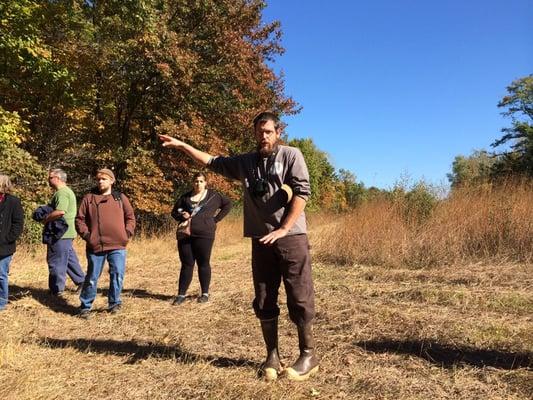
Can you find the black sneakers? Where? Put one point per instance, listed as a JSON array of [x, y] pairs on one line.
[[180, 299], [115, 309], [204, 298], [84, 313]]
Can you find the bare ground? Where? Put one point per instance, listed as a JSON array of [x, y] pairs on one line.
[[442, 333]]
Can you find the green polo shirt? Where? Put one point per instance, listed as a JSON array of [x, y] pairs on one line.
[[65, 200]]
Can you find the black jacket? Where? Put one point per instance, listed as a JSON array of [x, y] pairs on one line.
[[11, 224], [203, 224], [53, 230]]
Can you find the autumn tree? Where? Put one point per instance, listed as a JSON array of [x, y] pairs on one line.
[[97, 80]]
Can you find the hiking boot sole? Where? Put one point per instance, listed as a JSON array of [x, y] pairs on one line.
[[270, 374], [292, 375]]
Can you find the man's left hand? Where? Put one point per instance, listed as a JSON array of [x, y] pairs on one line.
[[273, 236]]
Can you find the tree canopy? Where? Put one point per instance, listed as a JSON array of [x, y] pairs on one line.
[[473, 169], [518, 105]]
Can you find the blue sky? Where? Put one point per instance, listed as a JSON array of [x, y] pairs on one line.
[[392, 88]]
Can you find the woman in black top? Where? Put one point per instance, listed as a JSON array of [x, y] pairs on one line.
[[201, 209], [11, 223]]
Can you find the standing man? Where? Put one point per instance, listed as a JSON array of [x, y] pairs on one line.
[[106, 222], [276, 187], [60, 255], [11, 224]]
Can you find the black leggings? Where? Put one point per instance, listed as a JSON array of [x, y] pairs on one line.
[[190, 250]]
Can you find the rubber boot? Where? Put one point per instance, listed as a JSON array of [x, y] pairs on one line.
[[307, 364], [272, 365]]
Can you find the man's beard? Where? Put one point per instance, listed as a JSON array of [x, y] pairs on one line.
[[267, 151]]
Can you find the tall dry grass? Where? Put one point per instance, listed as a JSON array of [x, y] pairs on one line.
[[487, 224]]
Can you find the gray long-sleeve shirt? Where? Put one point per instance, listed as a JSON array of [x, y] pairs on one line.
[[265, 214]]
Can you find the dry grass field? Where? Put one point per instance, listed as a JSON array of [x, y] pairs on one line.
[[493, 224], [450, 331]]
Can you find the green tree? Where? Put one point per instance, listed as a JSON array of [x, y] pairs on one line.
[[353, 191], [27, 174], [33, 81], [518, 105], [471, 170], [321, 173]]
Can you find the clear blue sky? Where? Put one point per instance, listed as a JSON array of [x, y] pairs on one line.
[[392, 87]]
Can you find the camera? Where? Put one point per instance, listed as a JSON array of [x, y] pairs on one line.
[[260, 187]]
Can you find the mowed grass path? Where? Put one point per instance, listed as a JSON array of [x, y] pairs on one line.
[[441, 333]]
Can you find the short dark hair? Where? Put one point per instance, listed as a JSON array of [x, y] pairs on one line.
[[198, 175], [266, 116]]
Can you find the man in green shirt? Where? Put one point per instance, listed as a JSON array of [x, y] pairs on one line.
[[60, 255]]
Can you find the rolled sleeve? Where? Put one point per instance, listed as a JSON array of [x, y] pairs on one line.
[[298, 176]]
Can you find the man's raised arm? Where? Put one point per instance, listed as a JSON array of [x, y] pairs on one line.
[[197, 155]]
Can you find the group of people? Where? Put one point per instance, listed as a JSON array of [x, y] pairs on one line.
[[275, 183], [105, 221]]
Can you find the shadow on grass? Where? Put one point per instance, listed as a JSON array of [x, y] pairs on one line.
[[451, 356], [142, 294], [57, 304], [140, 351]]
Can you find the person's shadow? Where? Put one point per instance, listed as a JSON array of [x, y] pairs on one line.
[[55, 303], [448, 356], [139, 351], [60, 304], [142, 294]]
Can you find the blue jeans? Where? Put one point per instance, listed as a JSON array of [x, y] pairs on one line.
[[4, 271], [117, 267], [62, 260]]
